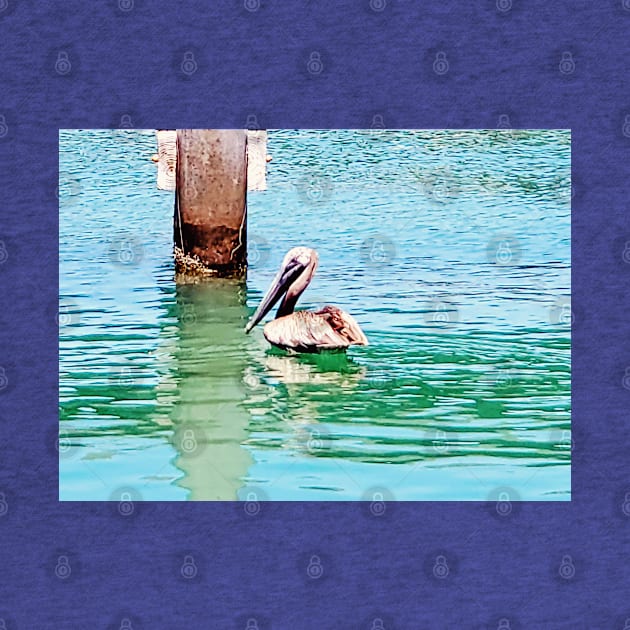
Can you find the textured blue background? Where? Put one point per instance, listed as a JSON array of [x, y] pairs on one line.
[[255, 62]]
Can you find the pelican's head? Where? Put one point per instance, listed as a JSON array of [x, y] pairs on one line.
[[301, 255], [296, 271]]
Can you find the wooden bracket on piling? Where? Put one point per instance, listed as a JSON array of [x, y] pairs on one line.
[[166, 158], [257, 159]]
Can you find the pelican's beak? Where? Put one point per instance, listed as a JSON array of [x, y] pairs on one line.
[[281, 283]]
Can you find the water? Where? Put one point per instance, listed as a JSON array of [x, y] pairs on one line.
[[451, 249]]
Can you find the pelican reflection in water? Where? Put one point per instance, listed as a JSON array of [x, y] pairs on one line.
[[330, 328]]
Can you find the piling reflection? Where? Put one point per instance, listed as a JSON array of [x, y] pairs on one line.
[[208, 418]]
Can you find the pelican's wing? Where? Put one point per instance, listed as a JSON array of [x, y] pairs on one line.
[[305, 331], [344, 325]]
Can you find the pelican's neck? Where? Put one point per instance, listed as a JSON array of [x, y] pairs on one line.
[[296, 289], [287, 306]]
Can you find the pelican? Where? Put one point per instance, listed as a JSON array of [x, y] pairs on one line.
[[330, 328]]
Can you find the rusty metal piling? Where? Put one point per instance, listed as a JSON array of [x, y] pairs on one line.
[[210, 219]]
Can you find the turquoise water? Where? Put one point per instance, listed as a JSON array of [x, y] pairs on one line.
[[451, 249]]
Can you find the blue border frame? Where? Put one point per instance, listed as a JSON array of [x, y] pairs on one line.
[[543, 565]]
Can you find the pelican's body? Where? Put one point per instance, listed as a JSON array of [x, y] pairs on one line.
[[330, 328], [307, 331]]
